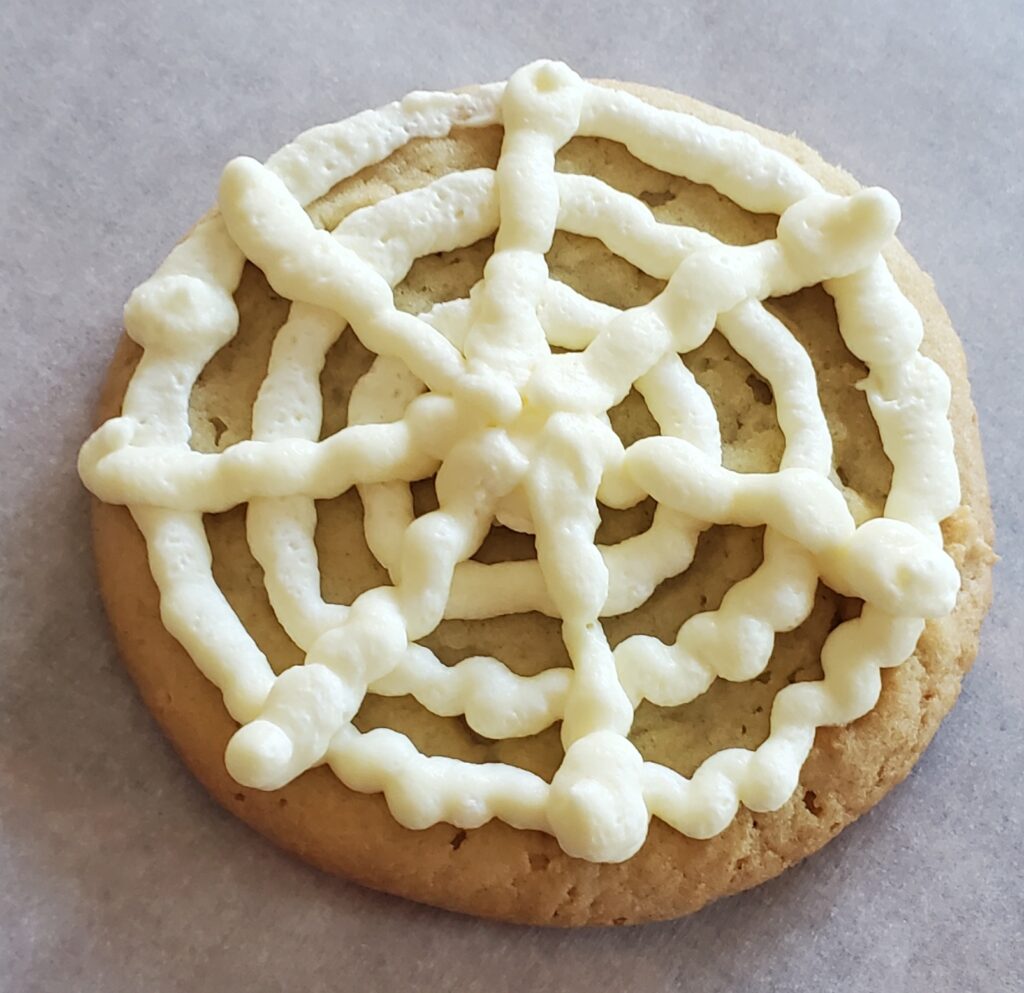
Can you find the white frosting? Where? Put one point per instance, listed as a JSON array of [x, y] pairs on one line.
[[471, 391]]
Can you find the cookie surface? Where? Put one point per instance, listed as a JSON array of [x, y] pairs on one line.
[[524, 875]]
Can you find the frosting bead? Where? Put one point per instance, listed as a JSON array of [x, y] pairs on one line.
[[597, 809], [893, 565], [260, 755], [180, 311]]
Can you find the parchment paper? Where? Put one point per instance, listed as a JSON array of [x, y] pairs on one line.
[[116, 871]]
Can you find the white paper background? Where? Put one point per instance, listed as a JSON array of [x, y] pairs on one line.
[[116, 872]]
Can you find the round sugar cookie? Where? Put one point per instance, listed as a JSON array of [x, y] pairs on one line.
[[732, 830]]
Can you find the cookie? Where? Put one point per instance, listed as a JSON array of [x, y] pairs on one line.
[[678, 447]]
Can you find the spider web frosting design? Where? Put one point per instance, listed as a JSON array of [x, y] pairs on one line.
[[519, 434]]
